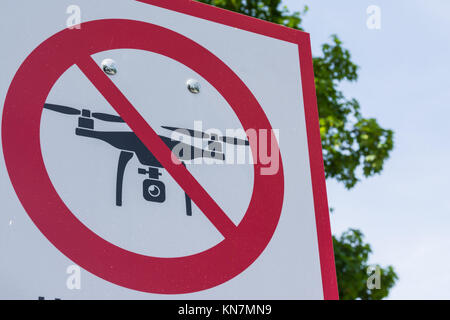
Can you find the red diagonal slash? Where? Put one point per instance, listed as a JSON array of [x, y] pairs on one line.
[[158, 148]]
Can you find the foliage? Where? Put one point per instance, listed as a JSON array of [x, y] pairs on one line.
[[349, 141], [269, 10], [352, 145], [352, 254]]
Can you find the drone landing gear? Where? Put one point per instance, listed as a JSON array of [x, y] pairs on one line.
[[188, 205], [153, 190], [124, 158], [188, 202]]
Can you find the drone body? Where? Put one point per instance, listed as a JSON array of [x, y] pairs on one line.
[[129, 145]]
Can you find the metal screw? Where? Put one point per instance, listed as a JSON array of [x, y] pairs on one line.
[[109, 67], [193, 86]]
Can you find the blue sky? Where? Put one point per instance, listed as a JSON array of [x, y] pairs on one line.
[[404, 83]]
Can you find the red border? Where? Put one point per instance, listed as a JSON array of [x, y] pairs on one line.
[[302, 39]]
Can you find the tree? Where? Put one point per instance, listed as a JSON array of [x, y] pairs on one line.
[[353, 146], [351, 255]]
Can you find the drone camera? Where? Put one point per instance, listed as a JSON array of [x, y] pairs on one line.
[[154, 190]]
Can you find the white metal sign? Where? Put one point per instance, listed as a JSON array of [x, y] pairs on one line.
[[156, 150]]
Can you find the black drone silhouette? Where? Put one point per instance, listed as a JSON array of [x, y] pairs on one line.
[[129, 145]]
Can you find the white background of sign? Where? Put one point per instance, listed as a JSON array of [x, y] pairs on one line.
[[30, 266]]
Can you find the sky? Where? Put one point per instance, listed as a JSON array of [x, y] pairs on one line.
[[404, 84]]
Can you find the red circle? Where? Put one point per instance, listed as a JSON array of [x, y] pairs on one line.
[[21, 146]]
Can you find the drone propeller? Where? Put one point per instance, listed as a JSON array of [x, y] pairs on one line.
[[200, 134], [192, 133], [106, 117], [62, 109], [236, 141], [73, 111]]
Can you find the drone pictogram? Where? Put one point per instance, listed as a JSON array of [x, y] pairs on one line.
[[129, 145]]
